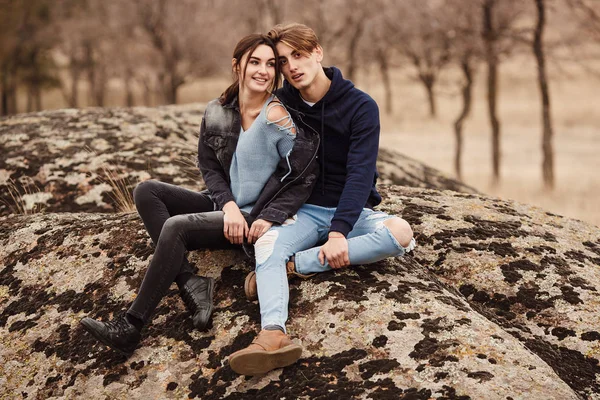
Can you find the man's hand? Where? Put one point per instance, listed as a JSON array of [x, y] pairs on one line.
[[258, 228], [235, 226], [335, 251]]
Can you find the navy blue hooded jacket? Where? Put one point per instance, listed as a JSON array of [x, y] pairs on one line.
[[348, 121]]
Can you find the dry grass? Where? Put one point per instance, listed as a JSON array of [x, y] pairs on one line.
[[22, 197], [411, 131], [122, 188], [121, 192]]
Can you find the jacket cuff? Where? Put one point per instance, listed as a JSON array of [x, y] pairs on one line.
[[223, 199], [340, 226], [271, 215]]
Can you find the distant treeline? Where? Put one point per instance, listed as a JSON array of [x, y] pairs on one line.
[[159, 45]]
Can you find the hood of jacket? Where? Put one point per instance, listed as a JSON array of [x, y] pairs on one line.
[[338, 89]]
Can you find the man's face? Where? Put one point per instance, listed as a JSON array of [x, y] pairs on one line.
[[299, 70]]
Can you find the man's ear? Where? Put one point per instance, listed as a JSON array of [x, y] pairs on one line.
[[319, 53]]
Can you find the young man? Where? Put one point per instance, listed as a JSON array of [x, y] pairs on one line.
[[339, 211]]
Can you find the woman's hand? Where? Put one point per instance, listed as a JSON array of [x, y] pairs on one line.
[[235, 226], [258, 228]]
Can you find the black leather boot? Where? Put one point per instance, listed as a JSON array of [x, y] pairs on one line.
[[197, 294], [118, 334]]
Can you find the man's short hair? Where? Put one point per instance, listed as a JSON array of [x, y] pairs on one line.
[[298, 36]]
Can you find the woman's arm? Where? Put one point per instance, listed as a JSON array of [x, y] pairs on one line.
[[212, 171], [235, 227]]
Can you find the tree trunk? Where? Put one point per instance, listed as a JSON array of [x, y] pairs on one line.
[[100, 86], [489, 36], [428, 81], [29, 98], [547, 133], [467, 95], [12, 94], [74, 98], [148, 90], [3, 99], [172, 80], [173, 93], [71, 96], [385, 77], [352, 46], [91, 72], [3, 91], [129, 98], [37, 98]]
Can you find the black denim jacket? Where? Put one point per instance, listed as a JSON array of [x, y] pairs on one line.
[[280, 198]]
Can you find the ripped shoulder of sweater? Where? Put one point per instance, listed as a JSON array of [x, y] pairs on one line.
[[279, 116]]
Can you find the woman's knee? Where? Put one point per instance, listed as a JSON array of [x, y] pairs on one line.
[[174, 228], [400, 229], [145, 190]]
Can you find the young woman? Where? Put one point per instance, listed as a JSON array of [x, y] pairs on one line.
[[253, 180]]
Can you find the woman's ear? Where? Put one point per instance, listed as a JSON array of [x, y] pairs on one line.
[[235, 67]]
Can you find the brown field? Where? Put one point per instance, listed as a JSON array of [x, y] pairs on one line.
[[575, 100], [410, 130]]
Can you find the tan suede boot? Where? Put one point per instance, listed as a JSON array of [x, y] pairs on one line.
[[268, 351], [250, 282]]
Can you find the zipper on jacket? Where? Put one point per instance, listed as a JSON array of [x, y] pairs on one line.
[[307, 165]]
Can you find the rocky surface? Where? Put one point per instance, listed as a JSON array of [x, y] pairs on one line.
[[84, 160], [498, 301], [390, 330]]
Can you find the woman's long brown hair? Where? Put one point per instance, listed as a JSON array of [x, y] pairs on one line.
[[247, 45]]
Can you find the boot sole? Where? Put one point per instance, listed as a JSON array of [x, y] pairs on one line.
[[91, 329], [258, 362], [249, 277]]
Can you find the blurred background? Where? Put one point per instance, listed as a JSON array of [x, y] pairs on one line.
[[502, 94]]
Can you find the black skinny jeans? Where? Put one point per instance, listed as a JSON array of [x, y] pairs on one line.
[[177, 220]]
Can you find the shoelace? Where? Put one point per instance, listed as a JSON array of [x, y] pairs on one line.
[[190, 300], [120, 325]]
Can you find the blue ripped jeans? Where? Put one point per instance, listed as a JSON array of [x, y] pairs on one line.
[[369, 241]]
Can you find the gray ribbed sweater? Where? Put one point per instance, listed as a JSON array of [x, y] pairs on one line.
[[258, 151]]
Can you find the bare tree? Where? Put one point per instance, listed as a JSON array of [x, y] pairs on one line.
[[422, 37], [547, 132], [466, 53], [24, 53], [490, 38], [499, 35], [184, 47]]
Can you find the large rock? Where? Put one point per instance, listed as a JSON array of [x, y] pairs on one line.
[[463, 318], [498, 301], [89, 160], [534, 273], [388, 329]]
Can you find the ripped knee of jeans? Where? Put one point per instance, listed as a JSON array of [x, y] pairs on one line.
[[263, 249], [401, 231]]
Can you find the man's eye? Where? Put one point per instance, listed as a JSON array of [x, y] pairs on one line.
[[282, 62]]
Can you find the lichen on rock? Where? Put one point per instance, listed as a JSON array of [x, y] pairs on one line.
[[499, 300]]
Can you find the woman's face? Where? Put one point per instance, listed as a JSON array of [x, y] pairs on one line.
[[260, 70]]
